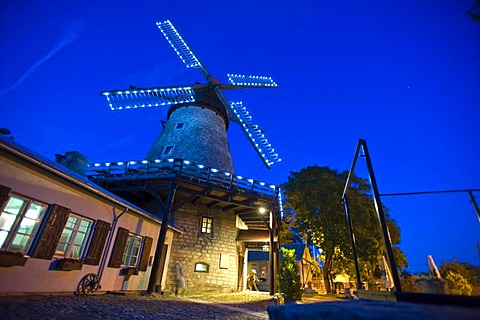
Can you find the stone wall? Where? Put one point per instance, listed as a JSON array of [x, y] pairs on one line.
[[218, 250], [196, 134]]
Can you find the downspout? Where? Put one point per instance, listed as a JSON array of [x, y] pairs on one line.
[[103, 261]]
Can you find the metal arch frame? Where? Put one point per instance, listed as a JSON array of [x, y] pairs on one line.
[[362, 145]]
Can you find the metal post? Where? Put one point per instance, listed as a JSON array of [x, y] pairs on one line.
[[272, 256], [274, 251], [474, 203], [352, 240], [381, 217], [157, 269]]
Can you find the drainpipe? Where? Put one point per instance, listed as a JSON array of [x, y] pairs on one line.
[[103, 261]]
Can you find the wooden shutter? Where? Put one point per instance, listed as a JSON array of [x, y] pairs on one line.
[[48, 241], [4, 191], [118, 248], [95, 249], [147, 247]]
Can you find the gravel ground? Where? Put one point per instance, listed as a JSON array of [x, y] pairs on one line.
[[130, 306]]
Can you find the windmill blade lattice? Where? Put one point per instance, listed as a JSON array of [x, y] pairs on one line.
[[180, 46], [254, 134], [152, 97], [251, 81]]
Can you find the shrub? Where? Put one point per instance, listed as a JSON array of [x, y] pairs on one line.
[[288, 277]]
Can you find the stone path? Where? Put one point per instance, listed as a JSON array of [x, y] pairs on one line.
[[130, 306]]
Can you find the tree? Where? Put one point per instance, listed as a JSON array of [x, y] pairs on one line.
[[6, 132], [474, 11], [313, 199]]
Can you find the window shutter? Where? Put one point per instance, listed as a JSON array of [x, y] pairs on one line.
[[47, 243], [147, 247], [4, 191], [97, 243], [119, 248]]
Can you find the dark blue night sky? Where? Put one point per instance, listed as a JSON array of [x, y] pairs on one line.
[[404, 75]]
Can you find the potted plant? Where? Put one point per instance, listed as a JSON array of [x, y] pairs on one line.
[[12, 258], [289, 284], [69, 264]]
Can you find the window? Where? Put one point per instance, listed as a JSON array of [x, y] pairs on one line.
[[179, 126], [132, 250], [74, 237], [167, 151], [207, 225], [19, 222], [201, 267]]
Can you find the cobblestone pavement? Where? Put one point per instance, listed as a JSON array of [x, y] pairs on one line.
[[130, 306]]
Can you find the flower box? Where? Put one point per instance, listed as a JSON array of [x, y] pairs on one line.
[[129, 271], [67, 264], [10, 259]]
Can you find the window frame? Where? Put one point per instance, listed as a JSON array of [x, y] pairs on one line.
[[168, 148], [180, 126], [127, 256], [202, 267], [15, 227], [206, 230], [70, 244]]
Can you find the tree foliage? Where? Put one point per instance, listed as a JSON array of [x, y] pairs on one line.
[[469, 272], [314, 211], [457, 284], [6, 132], [474, 11]]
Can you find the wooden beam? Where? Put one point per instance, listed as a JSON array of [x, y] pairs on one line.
[[212, 204], [229, 207]]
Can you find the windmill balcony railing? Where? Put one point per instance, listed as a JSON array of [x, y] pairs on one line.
[[146, 169]]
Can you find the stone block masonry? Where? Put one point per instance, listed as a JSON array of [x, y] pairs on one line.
[[217, 250]]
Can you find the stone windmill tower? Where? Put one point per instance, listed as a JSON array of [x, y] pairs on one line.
[[199, 114]]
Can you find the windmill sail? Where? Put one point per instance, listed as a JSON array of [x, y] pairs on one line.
[[152, 97], [254, 134]]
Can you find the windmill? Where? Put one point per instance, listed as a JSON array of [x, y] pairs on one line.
[[199, 114]]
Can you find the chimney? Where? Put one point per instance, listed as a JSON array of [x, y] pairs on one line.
[[74, 161]]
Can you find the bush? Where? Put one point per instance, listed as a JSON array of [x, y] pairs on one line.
[[288, 277], [457, 284]]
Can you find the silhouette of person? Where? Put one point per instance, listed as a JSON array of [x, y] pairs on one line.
[[252, 280]]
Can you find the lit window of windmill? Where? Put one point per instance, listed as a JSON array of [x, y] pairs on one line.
[[207, 225]]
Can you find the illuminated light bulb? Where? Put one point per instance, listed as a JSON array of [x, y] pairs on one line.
[[250, 180], [144, 161], [132, 162], [158, 161], [201, 166], [214, 170], [97, 164], [239, 177], [170, 160], [186, 162], [120, 163], [262, 183]]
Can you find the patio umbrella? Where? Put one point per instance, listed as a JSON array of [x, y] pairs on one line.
[[387, 275], [432, 268]]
